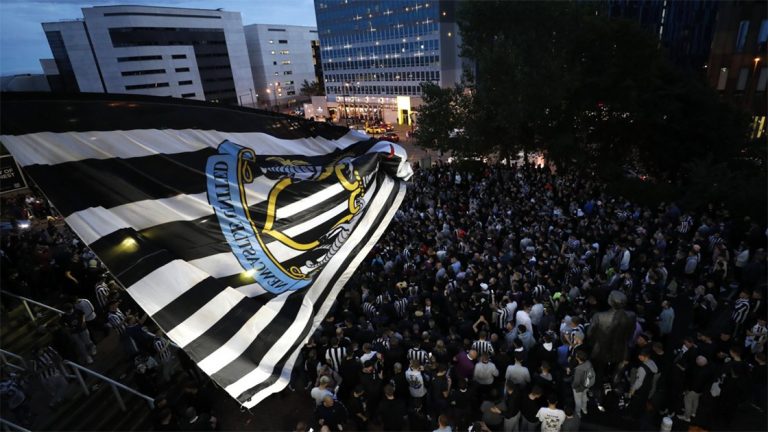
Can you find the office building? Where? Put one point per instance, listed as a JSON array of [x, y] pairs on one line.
[[282, 58], [737, 65], [684, 28], [188, 53], [375, 54]]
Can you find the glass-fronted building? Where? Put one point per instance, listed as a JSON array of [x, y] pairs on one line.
[[376, 54]]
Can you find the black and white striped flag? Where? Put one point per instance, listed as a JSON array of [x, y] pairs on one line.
[[233, 229]]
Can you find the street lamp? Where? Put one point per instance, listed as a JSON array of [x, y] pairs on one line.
[[346, 102], [275, 107]]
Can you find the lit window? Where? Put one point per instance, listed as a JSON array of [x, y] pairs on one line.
[[762, 36], [723, 79], [741, 37], [271, 41]]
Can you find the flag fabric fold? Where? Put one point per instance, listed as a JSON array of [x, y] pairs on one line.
[[233, 229]]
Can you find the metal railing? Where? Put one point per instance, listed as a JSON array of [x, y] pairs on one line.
[[77, 373], [77, 369], [9, 425], [26, 301], [4, 358]]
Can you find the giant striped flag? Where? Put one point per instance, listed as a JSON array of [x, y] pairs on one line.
[[233, 229]]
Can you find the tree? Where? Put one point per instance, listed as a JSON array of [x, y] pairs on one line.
[[520, 51], [443, 118], [588, 90], [313, 88]]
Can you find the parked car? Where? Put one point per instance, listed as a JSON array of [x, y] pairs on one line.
[[391, 137], [373, 130]]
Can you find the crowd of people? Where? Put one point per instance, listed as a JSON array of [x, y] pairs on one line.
[[500, 298], [516, 298]]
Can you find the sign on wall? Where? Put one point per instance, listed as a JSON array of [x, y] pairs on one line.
[[11, 178]]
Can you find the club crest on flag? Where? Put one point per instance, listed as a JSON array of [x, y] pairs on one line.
[[283, 218]]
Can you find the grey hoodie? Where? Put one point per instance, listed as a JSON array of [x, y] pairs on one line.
[[580, 375], [640, 375]]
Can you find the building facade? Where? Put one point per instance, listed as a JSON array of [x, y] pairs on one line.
[[737, 65], [376, 54], [188, 53], [281, 60], [684, 28]]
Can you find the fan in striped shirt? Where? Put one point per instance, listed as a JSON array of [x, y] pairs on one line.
[[502, 315], [164, 356], [483, 346], [47, 364], [335, 354], [103, 295], [685, 224], [416, 353], [740, 310], [382, 343], [714, 241], [401, 307], [118, 321], [369, 309]]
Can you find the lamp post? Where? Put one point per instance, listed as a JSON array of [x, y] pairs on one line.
[[274, 91], [278, 92], [346, 102]]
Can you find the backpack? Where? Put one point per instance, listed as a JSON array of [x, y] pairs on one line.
[[589, 379]]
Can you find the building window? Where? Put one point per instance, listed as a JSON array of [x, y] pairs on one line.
[[762, 36], [153, 14], [762, 78], [285, 62], [272, 52], [285, 52], [182, 69], [187, 95], [290, 92], [287, 73], [187, 82], [282, 41], [146, 86], [723, 79], [741, 83], [271, 41], [179, 56], [741, 37], [143, 72], [275, 30], [138, 58]]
